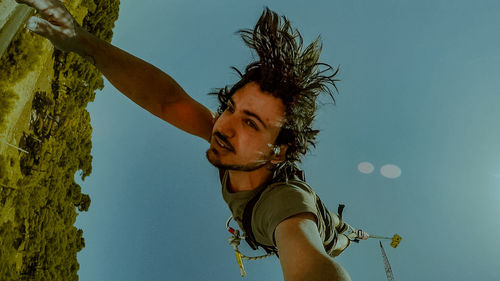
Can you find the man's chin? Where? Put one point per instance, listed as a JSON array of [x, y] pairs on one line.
[[211, 157]]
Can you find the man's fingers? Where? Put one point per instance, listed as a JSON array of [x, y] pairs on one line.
[[41, 27], [48, 9], [40, 5]]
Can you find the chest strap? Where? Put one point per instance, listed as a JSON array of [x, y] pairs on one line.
[[247, 225], [247, 220]]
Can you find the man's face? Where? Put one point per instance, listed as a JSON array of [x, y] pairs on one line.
[[244, 135]]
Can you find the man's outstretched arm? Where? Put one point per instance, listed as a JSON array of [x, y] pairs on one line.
[[143, 83], [301, 252]]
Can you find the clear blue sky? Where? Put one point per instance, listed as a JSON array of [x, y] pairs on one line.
[[419, 90]]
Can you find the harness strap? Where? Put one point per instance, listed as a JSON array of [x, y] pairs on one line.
[[247, 220], [340, 210], [342, 227], [247, 225]]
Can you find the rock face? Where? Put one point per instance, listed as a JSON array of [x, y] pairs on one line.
[[12, 16], [22, 85], [39, 198], [6, 8]]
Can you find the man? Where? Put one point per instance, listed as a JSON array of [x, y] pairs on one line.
[[260, 131]]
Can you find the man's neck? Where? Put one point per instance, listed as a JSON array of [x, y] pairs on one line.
[[243, 181]]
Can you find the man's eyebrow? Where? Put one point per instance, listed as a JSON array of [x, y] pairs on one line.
[[255, 116], [249, 113]]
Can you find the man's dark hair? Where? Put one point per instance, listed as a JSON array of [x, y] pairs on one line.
[[288, 72]]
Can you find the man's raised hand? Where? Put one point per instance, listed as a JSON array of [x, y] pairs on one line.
[[55, 24]]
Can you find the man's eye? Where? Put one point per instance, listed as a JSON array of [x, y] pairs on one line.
[[251, 124]]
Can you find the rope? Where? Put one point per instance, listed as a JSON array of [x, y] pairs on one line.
[[234, 241]]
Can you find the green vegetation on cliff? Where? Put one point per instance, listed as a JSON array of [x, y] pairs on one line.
[[39, 198]]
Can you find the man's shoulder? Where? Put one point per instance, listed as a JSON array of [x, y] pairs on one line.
[[278, 202], [287, 194], [291, 186]]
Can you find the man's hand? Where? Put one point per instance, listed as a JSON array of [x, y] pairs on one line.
[[55, 24], [143, 83]]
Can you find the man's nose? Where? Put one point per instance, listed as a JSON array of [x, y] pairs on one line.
[[227, 126]]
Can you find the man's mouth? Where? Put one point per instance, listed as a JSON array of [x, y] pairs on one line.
[[223, 143]]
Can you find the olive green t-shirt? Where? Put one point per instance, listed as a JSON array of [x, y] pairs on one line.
[[278, 202]]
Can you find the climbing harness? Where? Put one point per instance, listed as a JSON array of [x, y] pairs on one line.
[[342, 228], [353, 234]]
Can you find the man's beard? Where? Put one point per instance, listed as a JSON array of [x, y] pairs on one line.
[[234, 167]]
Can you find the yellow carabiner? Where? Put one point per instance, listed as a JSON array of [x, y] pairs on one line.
[[240, 263], [395, 240]]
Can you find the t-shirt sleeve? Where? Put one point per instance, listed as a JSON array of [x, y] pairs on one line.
[[277, 204]]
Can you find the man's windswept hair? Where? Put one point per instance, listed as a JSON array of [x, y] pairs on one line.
[[287, 71]]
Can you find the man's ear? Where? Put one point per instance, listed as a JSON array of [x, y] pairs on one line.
[[279, 153]]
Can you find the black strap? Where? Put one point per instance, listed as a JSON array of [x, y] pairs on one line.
[[247, 220], [342, 227], [247, 225], [340, 210]]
